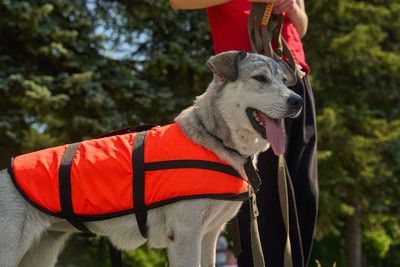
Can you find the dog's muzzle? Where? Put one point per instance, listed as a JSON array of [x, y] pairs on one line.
[[295, 103]]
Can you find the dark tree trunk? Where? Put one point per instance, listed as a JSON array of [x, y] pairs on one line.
[[353, 235]]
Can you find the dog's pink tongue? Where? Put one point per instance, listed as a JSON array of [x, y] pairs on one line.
[[274, 132]]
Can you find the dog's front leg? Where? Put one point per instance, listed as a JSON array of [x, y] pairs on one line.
[[208, 248], [185, 248], [222, 211], [185, 229]]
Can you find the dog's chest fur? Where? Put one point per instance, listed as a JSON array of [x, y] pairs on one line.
[[101, 174]]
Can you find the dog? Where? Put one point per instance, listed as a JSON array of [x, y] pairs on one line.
[[238, 117]]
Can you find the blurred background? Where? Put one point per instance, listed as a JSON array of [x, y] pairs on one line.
[[72, 70]]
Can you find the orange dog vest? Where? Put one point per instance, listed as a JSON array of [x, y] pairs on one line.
[[111, 176]]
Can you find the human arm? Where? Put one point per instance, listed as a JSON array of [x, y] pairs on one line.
[[295, 11], [195, 4]]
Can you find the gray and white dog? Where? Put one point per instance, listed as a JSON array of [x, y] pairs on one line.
[[238, 116]]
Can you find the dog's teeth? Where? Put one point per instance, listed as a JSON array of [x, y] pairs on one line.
[[256, 117], [254, 113]]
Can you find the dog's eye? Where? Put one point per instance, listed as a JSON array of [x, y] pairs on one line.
[[260, 78], [284, 80]]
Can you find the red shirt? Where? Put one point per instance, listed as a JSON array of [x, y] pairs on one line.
[[228, 23]]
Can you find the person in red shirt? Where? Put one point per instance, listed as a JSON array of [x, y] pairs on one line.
[[228, 23]]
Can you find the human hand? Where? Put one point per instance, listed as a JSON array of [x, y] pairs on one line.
[[280, 6]]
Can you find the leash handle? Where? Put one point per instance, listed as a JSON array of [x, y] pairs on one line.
[[262, 27]]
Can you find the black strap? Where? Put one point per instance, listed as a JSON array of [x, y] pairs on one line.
[[255, 182], [138, 182], [234, 225], [115, 255], [252, 175], [64, 176], [191, 164]]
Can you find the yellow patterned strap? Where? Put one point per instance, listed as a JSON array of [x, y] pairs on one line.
[[267, 14]]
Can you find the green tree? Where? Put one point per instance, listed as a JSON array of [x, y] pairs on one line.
[[353, 50], [55, 80]]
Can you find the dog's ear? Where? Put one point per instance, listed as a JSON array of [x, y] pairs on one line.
[[291, 78], [226, 64]]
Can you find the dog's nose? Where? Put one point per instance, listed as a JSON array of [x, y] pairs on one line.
[[295, 101]]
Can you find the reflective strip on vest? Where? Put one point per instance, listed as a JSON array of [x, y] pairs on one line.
[[101, 174]]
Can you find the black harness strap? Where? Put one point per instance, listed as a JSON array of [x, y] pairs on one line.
[[138, 185], [64, 179], [255, 182], [115, 255], [64, 176], [138, 182], [234, 225], [191, 164], [252, 174]]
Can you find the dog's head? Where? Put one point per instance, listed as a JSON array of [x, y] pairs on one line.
[[255, 98]]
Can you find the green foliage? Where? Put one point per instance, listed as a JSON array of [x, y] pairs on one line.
[[353, 50], [145, 257], [94, 252], [53, 75], [171, 49], [325, 255], [376, 244], [83, 251]]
